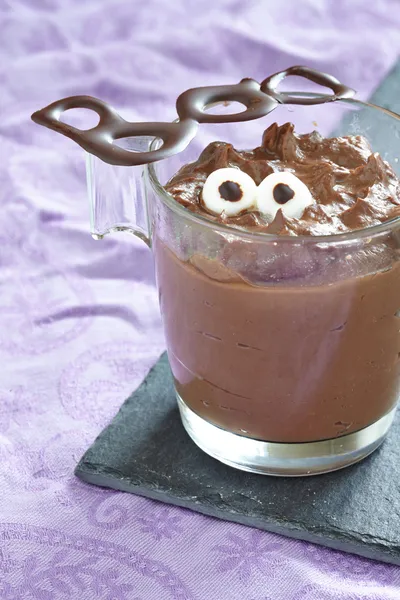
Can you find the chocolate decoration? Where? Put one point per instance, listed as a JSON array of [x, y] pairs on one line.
[[282, 193], [100, 139], [191, 106], [193, 103], [270, 84], [230, 190]]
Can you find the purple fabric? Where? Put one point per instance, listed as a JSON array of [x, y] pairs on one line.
[[79, 320]]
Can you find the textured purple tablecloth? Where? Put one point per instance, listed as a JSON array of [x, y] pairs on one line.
[[79, 322]]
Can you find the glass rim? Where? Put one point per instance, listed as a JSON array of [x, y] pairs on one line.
[[226, 229]]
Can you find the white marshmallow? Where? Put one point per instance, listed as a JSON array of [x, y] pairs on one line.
[[213, 195], [293, 207]]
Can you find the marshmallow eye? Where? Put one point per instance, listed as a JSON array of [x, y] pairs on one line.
[[283, 190], [230, 191]]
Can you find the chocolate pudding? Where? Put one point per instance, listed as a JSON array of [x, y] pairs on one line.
[[281, 336]]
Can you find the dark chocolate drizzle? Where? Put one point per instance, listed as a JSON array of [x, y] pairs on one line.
[[191, 106], [270, 86]]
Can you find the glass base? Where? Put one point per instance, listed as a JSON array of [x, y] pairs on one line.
[[280, 459]]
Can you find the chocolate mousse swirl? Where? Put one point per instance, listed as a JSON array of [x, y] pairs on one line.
[[352, 187]]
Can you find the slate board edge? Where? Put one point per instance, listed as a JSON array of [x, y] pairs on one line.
[[380, 551]]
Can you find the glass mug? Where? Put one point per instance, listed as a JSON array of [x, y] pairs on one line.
[[285, 351]]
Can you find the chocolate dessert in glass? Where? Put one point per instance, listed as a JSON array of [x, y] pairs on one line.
[[277, 267]]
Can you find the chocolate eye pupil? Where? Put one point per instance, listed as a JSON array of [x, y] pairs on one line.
[[282, 193], [230, 190]]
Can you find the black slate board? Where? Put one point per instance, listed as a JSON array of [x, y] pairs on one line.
[[146, 451]]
